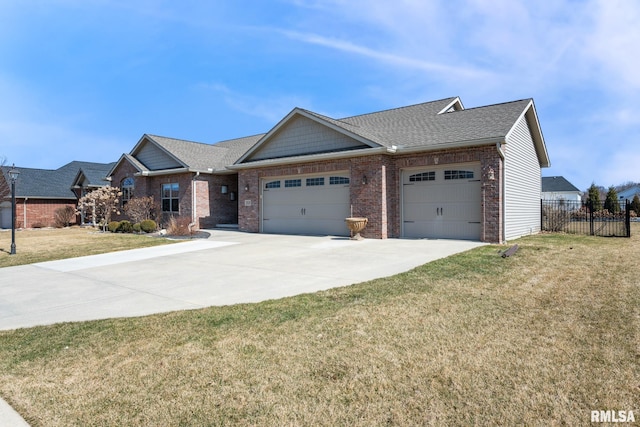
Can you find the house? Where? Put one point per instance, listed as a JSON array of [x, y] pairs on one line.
[[629, 193], [39, 192], [431, 170], [558, 188]]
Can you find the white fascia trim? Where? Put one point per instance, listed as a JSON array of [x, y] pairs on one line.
[[163, 172], [536, 133], [311, 158], [451, 104], [450, 145], [287, 118]]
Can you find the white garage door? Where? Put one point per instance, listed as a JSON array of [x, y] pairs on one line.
[[442, 202], [5, 215], [314, 204]]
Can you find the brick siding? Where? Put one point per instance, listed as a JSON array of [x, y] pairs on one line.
[[211, 206], [40, 212], [379, 198]]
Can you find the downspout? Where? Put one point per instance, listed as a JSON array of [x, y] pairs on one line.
[[194, 202], [502, 190], [24, 212]]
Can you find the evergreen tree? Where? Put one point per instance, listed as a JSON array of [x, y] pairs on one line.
[[635, 204], [611, 203], [594, 197]]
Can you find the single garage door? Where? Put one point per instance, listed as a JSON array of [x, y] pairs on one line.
[[5, 215], [313, 204], [442, 202]]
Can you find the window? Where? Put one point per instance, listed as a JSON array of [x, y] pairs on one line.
[[337, 180], [288, 183], [170, 201], [272, 184], [313, 182], [423, 176], [126, 186], [456, 174]]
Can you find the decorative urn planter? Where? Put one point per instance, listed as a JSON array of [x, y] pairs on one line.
[[356, 225]]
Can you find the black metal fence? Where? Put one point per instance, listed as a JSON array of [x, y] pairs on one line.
[[581, 218]]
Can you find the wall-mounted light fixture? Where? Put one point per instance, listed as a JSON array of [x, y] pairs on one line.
[[364, 179], [224, 189], [435, 160], [491, 174], [246, 187]]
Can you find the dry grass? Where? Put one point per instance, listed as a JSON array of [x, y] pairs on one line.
[[49, 244], [541, 338]]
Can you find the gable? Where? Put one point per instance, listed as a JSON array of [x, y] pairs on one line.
[[155, 158], [303, 136]]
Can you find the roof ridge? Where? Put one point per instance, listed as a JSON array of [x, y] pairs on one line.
[[490, 105], [179, 140], [399, 108]]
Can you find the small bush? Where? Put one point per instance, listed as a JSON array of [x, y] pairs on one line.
[[62, 216], [148, 226], [136, 227], [125, 227], [179, 226], [113, 226]]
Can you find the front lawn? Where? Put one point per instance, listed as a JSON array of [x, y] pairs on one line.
[[40, 245], [540, 338]]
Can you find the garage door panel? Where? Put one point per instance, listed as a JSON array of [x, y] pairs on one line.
[[308, 209], [442, 202]]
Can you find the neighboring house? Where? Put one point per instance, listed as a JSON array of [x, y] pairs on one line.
[[39, 192], [432, 170], [558, 188], [629, 193]]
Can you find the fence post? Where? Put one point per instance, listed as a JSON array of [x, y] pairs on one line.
[[627, 219], [590, 205], [541, 216]]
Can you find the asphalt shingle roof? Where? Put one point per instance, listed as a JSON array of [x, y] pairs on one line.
[[55, 184], [556, 184], [200, 156], [421, 125]]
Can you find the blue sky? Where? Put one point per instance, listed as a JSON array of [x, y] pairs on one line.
[[85, 79]]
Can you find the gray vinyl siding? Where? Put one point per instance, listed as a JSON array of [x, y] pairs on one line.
[[154, 158], [304, 136], [522, 183]]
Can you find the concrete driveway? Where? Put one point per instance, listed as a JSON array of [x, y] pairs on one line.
[[229, 267]]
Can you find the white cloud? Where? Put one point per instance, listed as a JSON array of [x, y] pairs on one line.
[[270, 108]]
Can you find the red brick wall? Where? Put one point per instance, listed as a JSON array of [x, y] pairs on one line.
[[211, 206], [489, 158], [39, 212], [379, 199]]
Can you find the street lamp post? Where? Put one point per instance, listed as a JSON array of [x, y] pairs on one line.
[[13, 175]]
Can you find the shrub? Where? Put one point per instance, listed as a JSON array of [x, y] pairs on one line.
[[125, 227], [140, 208], [179, 226], [113, 226], [136, 227], [148, 226], [62, 216]]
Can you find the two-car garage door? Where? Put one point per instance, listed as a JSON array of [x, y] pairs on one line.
[[313, 204], [442, 202]]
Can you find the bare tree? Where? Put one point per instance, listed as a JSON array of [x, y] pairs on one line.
[[5, 188], [140, 208]]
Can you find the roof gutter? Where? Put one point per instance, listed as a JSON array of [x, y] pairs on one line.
[[449, 146], [175, 171], [314, 158]]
